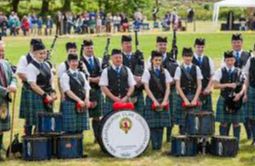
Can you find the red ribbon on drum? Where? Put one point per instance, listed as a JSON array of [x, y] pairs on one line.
[[118, 106]]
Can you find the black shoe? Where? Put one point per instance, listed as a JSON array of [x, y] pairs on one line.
[[85, 155], [253, 143]]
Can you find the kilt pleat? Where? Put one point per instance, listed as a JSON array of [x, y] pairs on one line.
[[156, 119], [72, 120], [223, 117], [97, 111], [24, 102], [206, 103], [250, 111], [139, 106]]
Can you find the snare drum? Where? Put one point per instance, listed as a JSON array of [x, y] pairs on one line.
[[200, 123], [69, 146], [49, 123], [224, 146], [184, 146], [36, 148], [124, 134]]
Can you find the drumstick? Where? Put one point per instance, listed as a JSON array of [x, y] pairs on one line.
[[12, 122]]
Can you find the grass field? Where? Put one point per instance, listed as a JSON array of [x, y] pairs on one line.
[[216, 44]]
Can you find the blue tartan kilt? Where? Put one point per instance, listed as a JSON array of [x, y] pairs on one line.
[[107, 106], [156, 119], [223, 117], [5, 123], [206, 103], [250, 111], [139, 105], [35, 105], [180, 113], [97, 111], [72, 120], [24, 102], [173, 104]]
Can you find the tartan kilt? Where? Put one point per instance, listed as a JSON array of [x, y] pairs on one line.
[[180, 113], [251, 103], [5, 123], [72, 120], [139, 105], [107, 106], [223, 117], [35, 105], [24, 102], [173, 103], [156, 119], [206, 103], [97, 111]]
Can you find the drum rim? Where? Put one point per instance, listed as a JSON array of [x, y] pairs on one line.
[[104, 121], [50, 113], [35, 137], [224, 137], [70, 136]]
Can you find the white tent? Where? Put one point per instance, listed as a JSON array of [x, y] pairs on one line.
[[231, 3]]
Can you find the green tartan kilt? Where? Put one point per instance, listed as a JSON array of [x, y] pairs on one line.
[[73, 121], [97, 111], [36, 105], [24, 102], [206, 103], [5, 123], [180, 113], [107, 106], [156, 119], [173, 104], [223, 117], [251, 103], [139, 105]]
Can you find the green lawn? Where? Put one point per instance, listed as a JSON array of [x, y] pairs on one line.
[[216, 44]]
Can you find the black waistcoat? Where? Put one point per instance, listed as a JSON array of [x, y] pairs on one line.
[[243, 59], [77, 85], [44, 77], [205, 69], [189, 86], [93, 72], [155, 82], [252, 72], [118, 83]]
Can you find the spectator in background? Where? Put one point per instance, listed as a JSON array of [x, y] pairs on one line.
[[25, 25], [243, 24], [116, 20], [49, 25], [190, 14], [124, 24], [108, 23], [4, 25], [92, 22], [70, 22], [12, 25], [40, 25], [33, 23], [98, 24], [59, 23], [65, 23], [253, 22]]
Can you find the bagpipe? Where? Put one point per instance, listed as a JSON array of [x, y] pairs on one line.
[[106, 56], [49, 52], [174, 50], [232, 106]]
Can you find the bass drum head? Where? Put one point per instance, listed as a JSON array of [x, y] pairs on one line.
[[125, 134]]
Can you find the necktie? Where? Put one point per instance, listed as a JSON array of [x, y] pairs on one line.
[[129, 56], [117, 70], [91, 64], [158, 72], [3, 76], [188, 69], [75, 74], [229, 72], [238, 56], [200, 60]]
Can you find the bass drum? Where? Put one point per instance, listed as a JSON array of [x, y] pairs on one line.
[[124, 134]]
